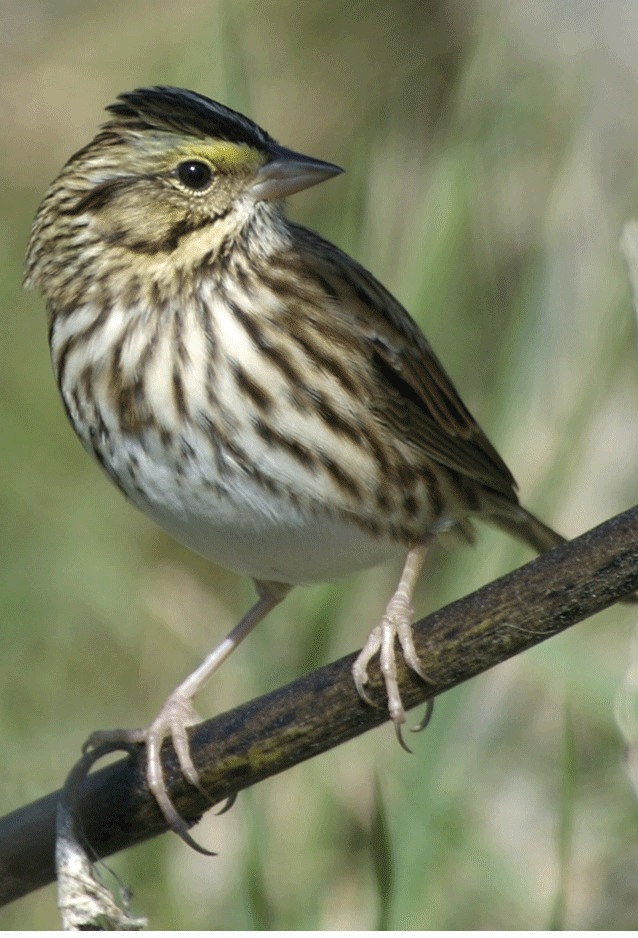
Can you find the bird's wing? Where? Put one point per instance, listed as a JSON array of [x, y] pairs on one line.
[[416, 398]]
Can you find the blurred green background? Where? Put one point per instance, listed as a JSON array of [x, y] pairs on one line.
[[490, 152]]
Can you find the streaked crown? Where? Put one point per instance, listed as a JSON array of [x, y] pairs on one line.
[[176, 110]]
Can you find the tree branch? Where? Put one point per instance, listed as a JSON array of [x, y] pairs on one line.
[[317, 712]]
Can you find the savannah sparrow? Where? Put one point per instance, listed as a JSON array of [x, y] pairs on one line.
[[246, 384]]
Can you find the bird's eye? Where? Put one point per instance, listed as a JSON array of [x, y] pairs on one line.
[[194, 174]]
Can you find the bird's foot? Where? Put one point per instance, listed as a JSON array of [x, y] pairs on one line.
[[172, 721], [395, 624]]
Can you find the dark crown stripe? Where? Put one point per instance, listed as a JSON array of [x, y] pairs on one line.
[[181, 111]]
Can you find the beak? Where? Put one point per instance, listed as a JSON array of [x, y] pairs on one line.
[[287, 172]]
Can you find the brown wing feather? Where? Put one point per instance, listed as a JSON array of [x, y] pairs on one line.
[[416, 396]]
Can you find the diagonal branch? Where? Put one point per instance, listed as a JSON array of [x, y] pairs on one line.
[[317, 712]]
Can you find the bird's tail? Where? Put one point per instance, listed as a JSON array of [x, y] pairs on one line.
[[524, 526]]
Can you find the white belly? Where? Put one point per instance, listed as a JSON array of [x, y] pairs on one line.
[[234, 523]]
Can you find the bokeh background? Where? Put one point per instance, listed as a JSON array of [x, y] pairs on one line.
[[490, 150]]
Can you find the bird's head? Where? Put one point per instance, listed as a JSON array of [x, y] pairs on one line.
[[168, 174]]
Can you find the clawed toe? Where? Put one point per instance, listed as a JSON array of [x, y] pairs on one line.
[[172, 721], [425, 720], [398, 732], [178, 713], [227, 805], [360, 666], [395, 624], [177, 823], [123, 738]]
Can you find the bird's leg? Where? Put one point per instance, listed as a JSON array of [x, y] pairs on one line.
[[178, 712], [396, 623]]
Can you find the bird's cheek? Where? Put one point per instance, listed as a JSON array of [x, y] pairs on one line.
[[145, 226]]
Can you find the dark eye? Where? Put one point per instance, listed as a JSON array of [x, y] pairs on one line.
[[194, 174]]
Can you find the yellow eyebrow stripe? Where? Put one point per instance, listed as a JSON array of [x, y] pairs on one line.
[[222, 153]]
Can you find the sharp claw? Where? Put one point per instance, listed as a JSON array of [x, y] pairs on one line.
[[172, 817], [201, 790], [178, 825], [427, 716], [101, 743], [363, 694], [399, 735], [418, 670], [230, 801], [189, 771]]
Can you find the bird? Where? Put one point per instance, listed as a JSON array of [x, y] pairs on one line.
[[249, 386]]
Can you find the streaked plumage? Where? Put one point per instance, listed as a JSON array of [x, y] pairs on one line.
[[246, 384]]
